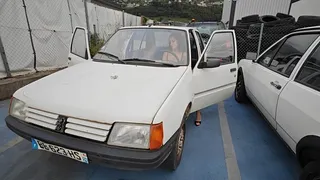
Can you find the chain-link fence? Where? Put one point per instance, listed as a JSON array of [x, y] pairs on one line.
[[35, 34], [255, 34], [258, 37]]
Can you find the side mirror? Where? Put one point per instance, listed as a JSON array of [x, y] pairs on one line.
[[211, 63], [251, 56]]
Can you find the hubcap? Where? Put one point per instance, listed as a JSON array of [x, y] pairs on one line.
[[180, 143]]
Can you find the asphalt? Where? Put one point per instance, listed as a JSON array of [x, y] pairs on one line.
[[258, 152]]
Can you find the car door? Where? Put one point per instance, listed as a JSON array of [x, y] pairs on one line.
[[213, 83], [299, 102], [270, 73], [79, 51]]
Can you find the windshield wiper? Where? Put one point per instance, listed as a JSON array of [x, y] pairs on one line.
[[151, 61], [111, 55]]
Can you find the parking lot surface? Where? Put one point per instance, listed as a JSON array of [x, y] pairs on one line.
[[233, 142]]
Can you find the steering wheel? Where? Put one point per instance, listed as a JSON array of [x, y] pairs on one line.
[[291, 55], [295, 58], [177, 59]]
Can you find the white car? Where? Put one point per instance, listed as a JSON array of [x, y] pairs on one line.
[[284, 84], [126, 106]]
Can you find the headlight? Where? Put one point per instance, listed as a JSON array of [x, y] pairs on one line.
[[130, 135], [17, 109]]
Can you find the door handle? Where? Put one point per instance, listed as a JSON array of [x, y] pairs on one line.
[[233, 69], [276, 85]]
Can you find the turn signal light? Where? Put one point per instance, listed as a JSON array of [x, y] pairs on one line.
[[156, 136]]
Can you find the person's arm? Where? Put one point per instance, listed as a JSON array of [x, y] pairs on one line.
[[165, 56], [184, 57]]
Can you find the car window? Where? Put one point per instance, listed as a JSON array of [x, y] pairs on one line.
[[309, 73], [78, 46], [137, 42], [266, 58], [290, 53], [221, 47], [200, 40], [156, 45], [194, 49]]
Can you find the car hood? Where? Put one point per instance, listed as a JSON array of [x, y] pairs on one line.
[[103, 92]]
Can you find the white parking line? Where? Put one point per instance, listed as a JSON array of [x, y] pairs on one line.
[[230, 155], [10, 144]]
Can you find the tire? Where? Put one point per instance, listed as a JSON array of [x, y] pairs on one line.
[[311, 171], [251, 19], [307, 21], [283, 16], [268, 18], [240, 91], [174, 159]]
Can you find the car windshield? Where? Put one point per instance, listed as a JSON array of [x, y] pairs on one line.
[[146, 45], [207, 28]]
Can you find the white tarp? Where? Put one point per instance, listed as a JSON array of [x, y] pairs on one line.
[[78, 13], [51, 30], [15, 37], [106, 21]]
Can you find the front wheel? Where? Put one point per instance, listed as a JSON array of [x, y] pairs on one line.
[[240, 91], [173, 160], [311, 171]]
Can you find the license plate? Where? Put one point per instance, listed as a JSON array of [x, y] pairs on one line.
[[76, 155]]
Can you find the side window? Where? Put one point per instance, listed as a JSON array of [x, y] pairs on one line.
[[266, 58], [309, 73], [194, 49], [201, 42], [221, 47], [290, 53], [79, 46]]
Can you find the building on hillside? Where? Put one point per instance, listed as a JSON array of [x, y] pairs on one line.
[[295, 8]]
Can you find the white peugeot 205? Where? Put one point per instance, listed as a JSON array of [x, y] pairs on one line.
[[127, 105]]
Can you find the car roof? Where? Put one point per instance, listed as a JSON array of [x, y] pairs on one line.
[[159, 27], [307, 28]]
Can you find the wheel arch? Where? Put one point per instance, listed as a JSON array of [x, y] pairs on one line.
[[186, 114], [310, 142]]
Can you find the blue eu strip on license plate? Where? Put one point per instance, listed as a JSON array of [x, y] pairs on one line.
[[73, 154]]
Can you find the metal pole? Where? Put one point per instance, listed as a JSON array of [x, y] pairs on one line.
[[87, 18], [260, 39], [70, 14], [31, 39], [123, 20], [4, 59], [232, 11]]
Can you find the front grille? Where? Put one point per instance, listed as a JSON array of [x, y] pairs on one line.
[[77, 127], [87, 129], [41, 118]]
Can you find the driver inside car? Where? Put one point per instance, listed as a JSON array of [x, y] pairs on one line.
[[176, 51]]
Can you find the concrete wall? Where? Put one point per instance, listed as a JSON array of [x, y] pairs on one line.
[[305, 7]]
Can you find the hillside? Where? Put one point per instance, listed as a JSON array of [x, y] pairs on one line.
[[178, 10]]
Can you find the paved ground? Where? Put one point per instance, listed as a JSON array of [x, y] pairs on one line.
[[229, 130]]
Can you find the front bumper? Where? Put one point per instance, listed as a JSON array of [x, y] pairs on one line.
[[116, 157]]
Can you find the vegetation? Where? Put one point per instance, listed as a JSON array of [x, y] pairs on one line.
[[178, 10], [95, 44]]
